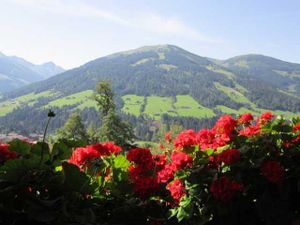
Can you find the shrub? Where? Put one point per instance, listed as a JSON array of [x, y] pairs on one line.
[[242, 171]]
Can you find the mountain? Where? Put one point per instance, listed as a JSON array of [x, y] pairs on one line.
[[281, 74], [161, 82], [16, 72]]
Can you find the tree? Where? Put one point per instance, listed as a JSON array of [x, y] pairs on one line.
[[73, 129], [92, 133], [104, 96], [113, 128]]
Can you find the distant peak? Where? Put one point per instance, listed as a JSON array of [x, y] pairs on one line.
[[157, 48], [256, 57], [48, 64], [2, 55], [150, 48], [52, 65]]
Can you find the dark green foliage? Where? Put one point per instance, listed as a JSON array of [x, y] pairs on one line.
[[73, 129], [113, 128]]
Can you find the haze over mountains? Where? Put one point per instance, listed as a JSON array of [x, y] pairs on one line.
[[16, 72], [164, 80]]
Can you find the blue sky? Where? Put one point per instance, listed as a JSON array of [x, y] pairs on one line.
[[72, 32]]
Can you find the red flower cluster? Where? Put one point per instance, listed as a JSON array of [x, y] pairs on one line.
[[177, 190], [224, 129], [159, 160], [186, 138], [273, 171], [225, 125], [6, 154], [181, 160], [166, 173], [223, 189], [250, 131], [265, 117], [219, 135], [141, 157], [245, 118], [206, 139], [296, 127], [105, 148], [84, 156], [145, 183], [229, 156]]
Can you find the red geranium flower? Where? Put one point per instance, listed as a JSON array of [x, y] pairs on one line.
[[6, 154], [229, 156], [142, 157], [83, 157], [145, 186], [225, 125], [159, 160], [223, 189], [181, 160], [105, 148], [224, 130], [186, 138], [265, 117], [167, 173], [273, 171], [296, 127], [249, 131], [206, 139], [245, 118], [177, 190]]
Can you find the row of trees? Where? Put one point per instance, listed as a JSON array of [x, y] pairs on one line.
[[112, 128]]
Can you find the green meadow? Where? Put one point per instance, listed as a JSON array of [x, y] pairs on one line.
[[29, 99]]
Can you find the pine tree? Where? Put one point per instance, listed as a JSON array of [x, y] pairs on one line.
[[73, 129], [92, 133], [113, 127]]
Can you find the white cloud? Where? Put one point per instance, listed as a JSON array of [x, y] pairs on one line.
[[71, 8], [148, 22], [170, 26]]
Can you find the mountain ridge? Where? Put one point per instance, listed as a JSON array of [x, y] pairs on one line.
[[17, 72], [146, 78]]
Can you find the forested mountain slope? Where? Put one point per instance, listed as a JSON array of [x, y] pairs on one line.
[[164, 80]]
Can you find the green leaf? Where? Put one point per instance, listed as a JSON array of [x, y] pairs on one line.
[[60, 151], [19, 146], [75, 180], [13, 170], [221, 149], [182, 214], [40, 147], [120, 162], [209, 151]]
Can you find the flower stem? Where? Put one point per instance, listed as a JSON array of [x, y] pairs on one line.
[[46, 128]]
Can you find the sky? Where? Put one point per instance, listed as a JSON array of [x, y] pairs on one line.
[[73, 32]]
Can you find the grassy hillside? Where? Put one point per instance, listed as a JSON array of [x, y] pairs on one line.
[[81, 99], [156, 106], [28, 100]]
